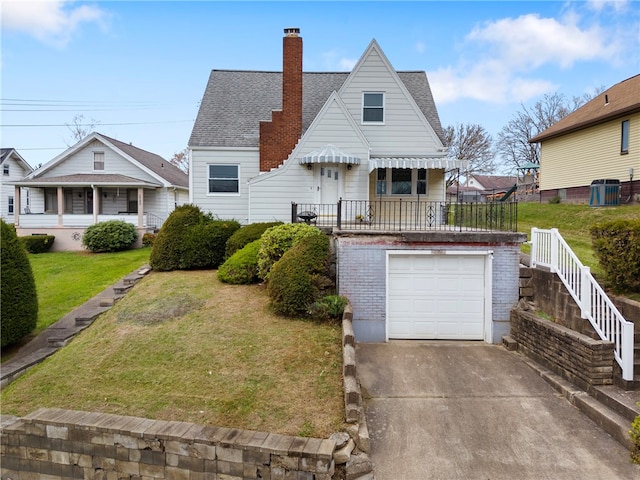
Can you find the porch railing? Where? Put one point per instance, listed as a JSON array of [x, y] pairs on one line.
[[409, 215], [549, 249]]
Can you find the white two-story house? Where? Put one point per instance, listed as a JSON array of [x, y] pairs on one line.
[[14, 167]]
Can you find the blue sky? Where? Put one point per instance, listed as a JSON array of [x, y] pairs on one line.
[[140, 68]]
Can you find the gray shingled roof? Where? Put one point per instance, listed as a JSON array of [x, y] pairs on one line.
[[234, 103], [4, 153], [153, 162], [89, 179]]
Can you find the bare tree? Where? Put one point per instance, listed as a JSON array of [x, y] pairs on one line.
[[513, 140], [80, 128], [181, 160], [473, 143]]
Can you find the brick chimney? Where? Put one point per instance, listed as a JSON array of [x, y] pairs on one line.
[[279, 137]]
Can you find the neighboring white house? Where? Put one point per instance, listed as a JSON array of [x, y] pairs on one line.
[[14, 167], [98, 179], [263, 140]]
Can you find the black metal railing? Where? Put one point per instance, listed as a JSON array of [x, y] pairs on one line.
[[409, 215]]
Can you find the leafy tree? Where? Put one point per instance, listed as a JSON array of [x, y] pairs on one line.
[[470, 142], [19, 302]]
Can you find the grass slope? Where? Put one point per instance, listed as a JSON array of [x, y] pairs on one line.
[[183, 346]]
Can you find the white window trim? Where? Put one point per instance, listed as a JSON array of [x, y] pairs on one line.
[[223, 194], [104, 161], [11, 205], [414, 185], [384, 109]]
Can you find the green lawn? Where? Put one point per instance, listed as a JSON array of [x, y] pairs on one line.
[[65, 280], [573, 222], [184, 346]]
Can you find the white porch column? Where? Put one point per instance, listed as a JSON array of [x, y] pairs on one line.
[[60, 199], [16, 206], [140, 206], [96, 203]]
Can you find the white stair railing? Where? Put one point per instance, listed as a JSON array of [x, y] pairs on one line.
[[549, 249]]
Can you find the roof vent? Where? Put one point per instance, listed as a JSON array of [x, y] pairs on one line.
[[606, 99], [291, 32]]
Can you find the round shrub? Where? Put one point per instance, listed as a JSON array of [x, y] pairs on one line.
[[300, 277], [191, 239], [148, 239], [241, 268], [617, 246], [204, 244], [110, 236], [277, 240], [329, 307], [37, 243], [245, 235], [19, 300]]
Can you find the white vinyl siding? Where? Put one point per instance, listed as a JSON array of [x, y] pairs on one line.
[[404, 133], [82, 162], [578, 158], [14, 171], [224, 206]]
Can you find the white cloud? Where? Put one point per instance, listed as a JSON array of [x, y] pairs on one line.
[[420, 47], [333, 60], [51, 21], [617, 5], [506, 54]]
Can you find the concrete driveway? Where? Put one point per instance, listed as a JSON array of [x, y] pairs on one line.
[[468, 410]]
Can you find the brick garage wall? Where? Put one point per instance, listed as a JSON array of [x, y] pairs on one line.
[[576, 357], [361, 274], [55, 443]]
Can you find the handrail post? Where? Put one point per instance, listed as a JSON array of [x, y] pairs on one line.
[[294, 212], [585, 292], [555, 240], [627, 351], [339, 214], [534, 247]]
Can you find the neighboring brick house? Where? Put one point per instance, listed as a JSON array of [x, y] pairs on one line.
[[598, 141]]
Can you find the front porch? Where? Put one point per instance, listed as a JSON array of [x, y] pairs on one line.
[[409, 215]]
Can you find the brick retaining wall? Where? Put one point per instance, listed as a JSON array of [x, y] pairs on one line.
[[576, 357]]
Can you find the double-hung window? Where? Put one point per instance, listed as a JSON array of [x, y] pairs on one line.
[[401, 181], [10, 205], [5, 169], [224, 179], [373, 107], [624, 142], [98, 160]]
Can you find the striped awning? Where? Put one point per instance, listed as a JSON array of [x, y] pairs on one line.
[[329, 154], [416, 162]]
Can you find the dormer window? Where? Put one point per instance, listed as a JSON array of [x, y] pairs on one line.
[[373, 107], [5, 170], [98, 160]]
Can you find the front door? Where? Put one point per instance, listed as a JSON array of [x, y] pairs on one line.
[[331, 178]]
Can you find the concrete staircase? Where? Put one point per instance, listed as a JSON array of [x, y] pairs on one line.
[[65, 329]]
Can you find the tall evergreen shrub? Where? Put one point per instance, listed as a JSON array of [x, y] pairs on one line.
[[617, 246], [19, 299]]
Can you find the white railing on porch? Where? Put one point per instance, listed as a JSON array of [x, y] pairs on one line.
[[79, 220], [549, 249]]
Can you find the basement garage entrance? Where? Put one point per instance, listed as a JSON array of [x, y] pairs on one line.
[[439, 295]]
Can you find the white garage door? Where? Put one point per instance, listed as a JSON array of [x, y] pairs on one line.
[[436, 297]]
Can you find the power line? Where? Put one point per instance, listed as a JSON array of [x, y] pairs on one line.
[[94, 125]]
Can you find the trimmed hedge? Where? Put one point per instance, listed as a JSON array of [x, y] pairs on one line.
[[37, 243], [277, 240], [617, 246], [19, 299], [191, 239], [242, 267], [245, 235], [300, 277], [110, 236], [148, 239]]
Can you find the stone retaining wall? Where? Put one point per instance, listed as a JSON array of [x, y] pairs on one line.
[[578, 358]]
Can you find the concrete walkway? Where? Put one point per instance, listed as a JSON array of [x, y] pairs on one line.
[[468, 410]]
